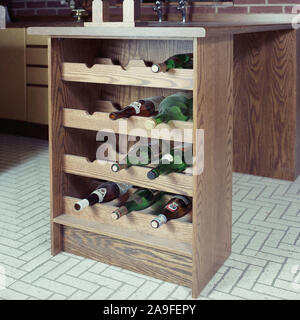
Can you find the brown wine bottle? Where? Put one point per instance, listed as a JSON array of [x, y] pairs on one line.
[[144, 108], [175, 208], [139, 155], [106, 192]]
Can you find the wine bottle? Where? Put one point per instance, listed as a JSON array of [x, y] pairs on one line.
[[144, 108], [139, 155], [179, 61], [176, 207], [176, 163], [106, 192], [141, 199], [178, 106]]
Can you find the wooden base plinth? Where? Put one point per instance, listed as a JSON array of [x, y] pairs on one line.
[[139, 258]]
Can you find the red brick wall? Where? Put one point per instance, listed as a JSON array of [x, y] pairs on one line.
[[53, 7], [38, 7]]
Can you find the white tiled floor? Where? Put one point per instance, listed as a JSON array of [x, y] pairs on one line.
[[264, 264]]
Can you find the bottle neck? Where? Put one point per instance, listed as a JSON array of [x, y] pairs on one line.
[[125, 113], [156, 172], [160, 67], [165, 169], [159, 221], [93, 199], [162, 117], [120, 166], [117, 214], [162, 169], [88, 201]]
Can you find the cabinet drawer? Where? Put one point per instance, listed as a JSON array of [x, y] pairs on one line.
[[37, 105], [37, 56], [37, 75], [36, 40]]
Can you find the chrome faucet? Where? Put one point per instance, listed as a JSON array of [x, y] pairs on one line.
[[158, 10], [182, 8], [70, 3]]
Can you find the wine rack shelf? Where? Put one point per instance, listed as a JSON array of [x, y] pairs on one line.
[[179, 230], [125, 234], [100, 121], [135, 175], [135, 74], [184, 252]]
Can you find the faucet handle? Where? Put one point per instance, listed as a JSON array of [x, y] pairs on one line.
[[181, 4], [158, 10], [157, 6], [182, 8]]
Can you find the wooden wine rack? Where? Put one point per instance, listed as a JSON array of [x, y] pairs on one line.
[[183, 252], [262, 56]]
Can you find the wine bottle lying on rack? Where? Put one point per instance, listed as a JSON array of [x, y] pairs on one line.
[[179, 61], [170, 162], [139, 155], [176, 207], [178, 106], [106, 192], [141, 199], [144, 108]]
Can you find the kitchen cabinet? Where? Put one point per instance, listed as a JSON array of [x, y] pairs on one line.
[[13, 74], [24, 76], [37, 79]]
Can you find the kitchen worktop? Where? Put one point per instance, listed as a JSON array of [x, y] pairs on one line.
[[208, 25], [165, 30]]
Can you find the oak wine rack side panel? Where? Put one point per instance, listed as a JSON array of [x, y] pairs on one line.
[[86, 84]]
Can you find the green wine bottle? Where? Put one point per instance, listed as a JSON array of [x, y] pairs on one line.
[[178, 106], [179, 61], [141, 199], [176, 163], [140, 155]]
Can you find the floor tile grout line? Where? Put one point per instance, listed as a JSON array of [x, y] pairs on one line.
[[216, 284]]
